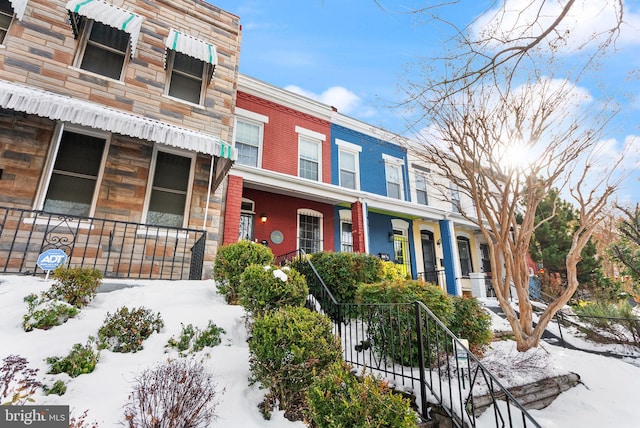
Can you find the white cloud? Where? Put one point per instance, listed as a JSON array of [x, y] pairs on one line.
[[341, 98], [586, 20]]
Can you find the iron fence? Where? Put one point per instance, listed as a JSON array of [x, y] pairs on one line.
[[118, 249], [409, 346], [436, 277]]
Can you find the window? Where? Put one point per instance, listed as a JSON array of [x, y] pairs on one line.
[[346, 237], [394, 181], [105, 50], [310, 153], [309, 159], [309, 231], [247, 220], [170, 190], [107, 34], [464, 252], [348, 164], [186, 77], [421, 189], [6, 17], [72, 186], [248, 136], [455, 199], [190, 64]]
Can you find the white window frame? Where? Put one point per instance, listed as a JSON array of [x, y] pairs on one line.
[[252, 212], [51, 160], [206, 71], [345, 216], [310, 213], [353, 149], [314, 137], [152, 172], [394, 162], [456, 202], [84, 40], [254, 119]]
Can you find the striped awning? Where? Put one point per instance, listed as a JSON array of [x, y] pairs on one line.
[[18, 7], [108, 14], [188, 45], [15, 96]]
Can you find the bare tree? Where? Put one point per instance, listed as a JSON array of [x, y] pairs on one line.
[[493, 100], [506, 151]]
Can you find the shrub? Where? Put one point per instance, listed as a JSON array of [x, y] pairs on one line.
[[80, 421], [338, 398], [287, 347], [178, 393], [393, 329], [58, 388], [125, 330], [192, 339], [266, 288], [231, 261], [341, 272], [17, 381], [81, 360], [44, 314], [390, 271], [472, 322], [76, 286]]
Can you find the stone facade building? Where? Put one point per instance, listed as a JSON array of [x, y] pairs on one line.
[[116, 121]]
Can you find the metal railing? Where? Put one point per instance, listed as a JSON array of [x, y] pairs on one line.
[[118, 249], [436, 277], [409, 346]]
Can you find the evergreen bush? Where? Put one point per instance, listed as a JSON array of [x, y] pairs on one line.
[[125, 330], [392, 328], [339, 399], [287, 348], [43, 313], [192, 339], [76, 286], [81, 360], [472, 322], [231, 261], [266, 288]]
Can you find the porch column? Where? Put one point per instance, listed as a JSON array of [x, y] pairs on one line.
[[449, 254], [357, 227], [233, 204]]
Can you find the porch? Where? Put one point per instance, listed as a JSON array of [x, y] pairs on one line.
[[117, 249]]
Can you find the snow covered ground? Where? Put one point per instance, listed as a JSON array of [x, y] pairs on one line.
[[607, 396]]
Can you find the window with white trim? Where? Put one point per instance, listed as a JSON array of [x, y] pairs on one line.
[[310, 153], [455, 199], [104, 49], [348, 164], [393, 176], [6, 18], [346, 236], [422, 196], [310, 231], [248, 142], [170, 190], [77, 168]]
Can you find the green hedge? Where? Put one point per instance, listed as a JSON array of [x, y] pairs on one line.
[[266, 288], [231, 261]]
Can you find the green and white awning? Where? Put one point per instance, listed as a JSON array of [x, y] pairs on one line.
[[18, 97], [18, 7], [108, 14], [195, 48]]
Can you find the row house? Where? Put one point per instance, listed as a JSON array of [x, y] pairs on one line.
[[116, 123], [308, 177]]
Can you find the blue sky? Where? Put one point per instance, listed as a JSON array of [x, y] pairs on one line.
[[354, 55]]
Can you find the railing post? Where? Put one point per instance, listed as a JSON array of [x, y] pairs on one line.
[[423, 381]]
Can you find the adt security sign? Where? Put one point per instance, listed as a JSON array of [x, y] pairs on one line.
[[51, 259]]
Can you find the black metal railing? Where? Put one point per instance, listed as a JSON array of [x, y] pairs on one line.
[[118, 249], [409, 346]]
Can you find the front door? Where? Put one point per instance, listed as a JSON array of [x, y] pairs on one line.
[[401, 251], [429, 257]]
